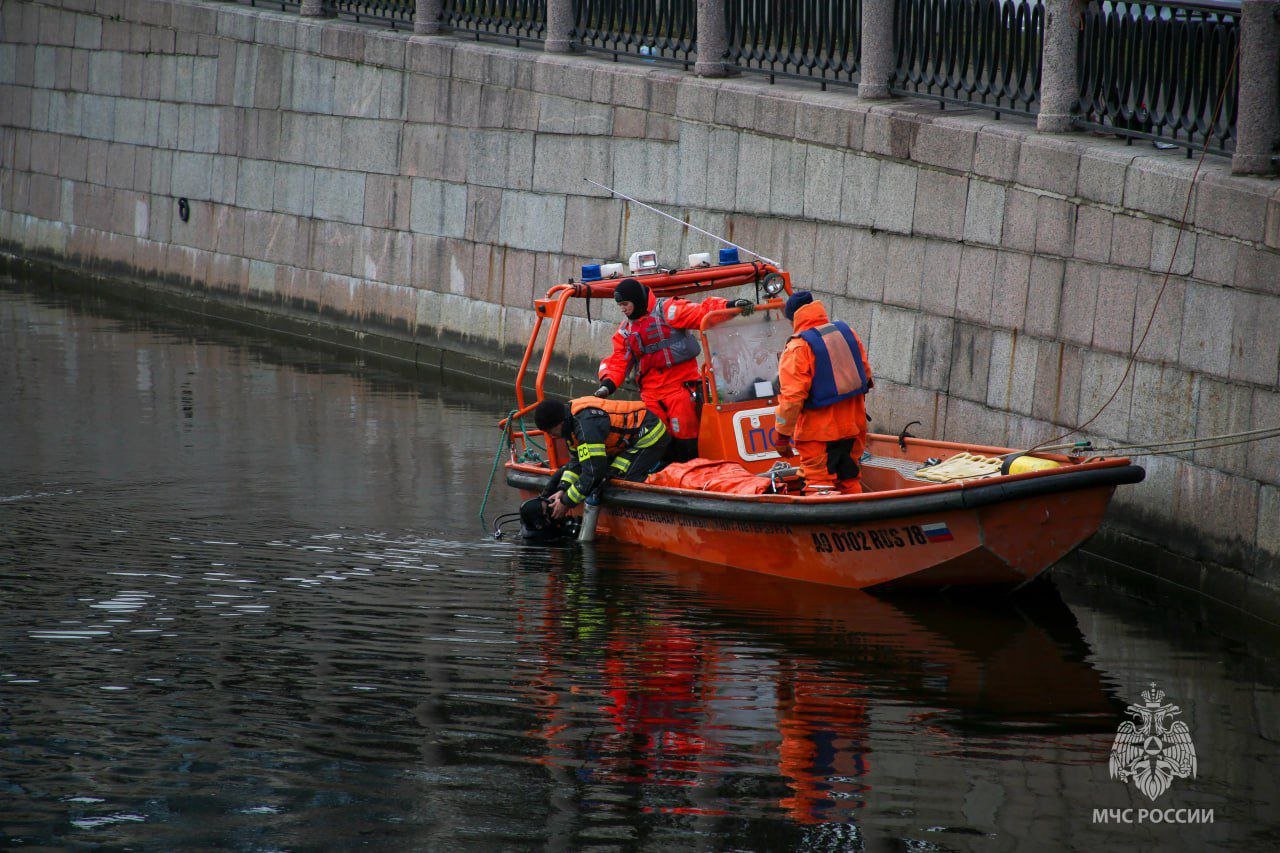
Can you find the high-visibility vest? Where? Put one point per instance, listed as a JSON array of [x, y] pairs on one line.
[[654, 344], [838, 373], [626, 418]]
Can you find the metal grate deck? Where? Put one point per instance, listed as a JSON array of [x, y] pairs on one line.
[[906, 467]]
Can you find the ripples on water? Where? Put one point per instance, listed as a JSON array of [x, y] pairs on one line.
[[247, 603]]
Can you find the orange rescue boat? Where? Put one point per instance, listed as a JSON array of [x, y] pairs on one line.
[[927, 517]]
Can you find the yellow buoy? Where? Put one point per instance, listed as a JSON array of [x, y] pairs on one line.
[[1023, 464]]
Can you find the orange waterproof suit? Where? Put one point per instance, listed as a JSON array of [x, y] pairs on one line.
[[663, 386], [819, 435]]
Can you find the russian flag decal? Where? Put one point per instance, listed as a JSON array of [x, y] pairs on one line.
[[937, 532]]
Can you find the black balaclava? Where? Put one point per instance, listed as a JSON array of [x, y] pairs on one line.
[[630, 290], [550, 413]]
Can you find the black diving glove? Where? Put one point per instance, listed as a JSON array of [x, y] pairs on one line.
[[606, 388], [747, 306]]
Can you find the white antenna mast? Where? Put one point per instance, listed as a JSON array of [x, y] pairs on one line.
[[685, 224]]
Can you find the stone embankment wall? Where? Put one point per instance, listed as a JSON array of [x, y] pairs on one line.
[[421, 191]]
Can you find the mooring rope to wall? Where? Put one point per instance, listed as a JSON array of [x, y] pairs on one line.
[[1254, 435], [1184, 445]]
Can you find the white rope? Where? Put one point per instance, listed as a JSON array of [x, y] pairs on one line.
[[684, 224], [1207, 442]]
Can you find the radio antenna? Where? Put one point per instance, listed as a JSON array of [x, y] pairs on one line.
[[685, 224]]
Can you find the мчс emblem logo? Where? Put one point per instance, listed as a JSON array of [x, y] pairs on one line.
[[1153, 749]]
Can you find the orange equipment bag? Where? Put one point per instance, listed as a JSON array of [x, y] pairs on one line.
[[710, 475]]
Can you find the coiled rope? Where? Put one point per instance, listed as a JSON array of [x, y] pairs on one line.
[[526, 455]]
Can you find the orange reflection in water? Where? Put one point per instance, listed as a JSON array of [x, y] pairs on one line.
[[688, 677], [823, 751]]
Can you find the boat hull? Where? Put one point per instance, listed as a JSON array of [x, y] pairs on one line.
[[1000, 535]]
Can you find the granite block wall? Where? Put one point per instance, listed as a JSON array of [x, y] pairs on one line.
[[428, 188]]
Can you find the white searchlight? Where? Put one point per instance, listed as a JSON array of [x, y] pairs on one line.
[[644, 262]]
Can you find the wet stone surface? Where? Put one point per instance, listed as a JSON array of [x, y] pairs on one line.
[[247, 603]]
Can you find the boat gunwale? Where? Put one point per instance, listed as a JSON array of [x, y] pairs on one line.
[[872, 506]]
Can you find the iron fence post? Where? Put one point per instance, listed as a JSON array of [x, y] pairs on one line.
[[878, 58], [1059, 80], [426, 17], [713, 39], [1258, 116], [559, 26]]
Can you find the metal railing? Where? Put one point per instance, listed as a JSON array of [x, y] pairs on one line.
[[1156, 70], [807, 39], [973, 52], [517, 20], [1146, 70], [660, 30], [279, 5], [394, 13]]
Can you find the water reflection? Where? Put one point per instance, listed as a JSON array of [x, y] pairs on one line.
[[699, 672], [248, 603]]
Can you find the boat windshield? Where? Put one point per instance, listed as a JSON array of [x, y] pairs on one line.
[[744, 351]]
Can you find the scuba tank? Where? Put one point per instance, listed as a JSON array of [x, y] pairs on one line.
[[590, 515]]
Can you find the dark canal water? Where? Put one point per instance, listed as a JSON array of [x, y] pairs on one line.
[[246, 603]]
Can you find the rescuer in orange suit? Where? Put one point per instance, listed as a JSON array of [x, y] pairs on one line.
[[655, 344], [823, 378]]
